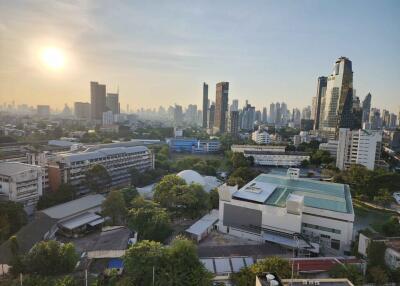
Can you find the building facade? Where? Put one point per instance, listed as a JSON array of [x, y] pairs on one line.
[[361, 147], [205, 104], [97, 100], [221, 106], [112, 102], [71, 167], [321, 91], [21, 183], [261, 136], [193, 145], [82, 110], [313, 216]]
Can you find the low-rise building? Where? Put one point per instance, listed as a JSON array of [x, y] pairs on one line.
[[201, 228], [311, 215], [21, 183], [193, 145], [70, 167], [331, 146], [261, 136]]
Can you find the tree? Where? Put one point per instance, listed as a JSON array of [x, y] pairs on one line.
[[391, 227], [50, 258], [383, 197], [149, 220], [97, 178], [351, 272], [239, 160], [65, 193], [181, 199], [12, 218], [246, 276], [174, 265], [242, 176], [377, 275], [214, 199], [129, 194], [141, 259], [114, 207], [14, 246], [376, 254]]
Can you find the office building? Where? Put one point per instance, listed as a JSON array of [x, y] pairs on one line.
[[362, 147], [248, 117], [235, 105], [264, 118], [108, 118], [233, 123], [221, 106], [82, 110], [211, 116], [331, 146], [97, 101], [191, 114], [338, 101], [178, 115], [272, 113], [112, 102], [21, 183], [43, 111], [205, 105], [260, 136], [321, 91], [366, 107], [311, 215], [70, 167]]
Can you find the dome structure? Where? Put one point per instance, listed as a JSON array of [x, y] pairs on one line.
[[191, 176]]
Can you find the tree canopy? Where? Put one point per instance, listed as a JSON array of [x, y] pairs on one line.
[[174, 265], [65, 193], [114, 207], [12, 218], [97, 178]]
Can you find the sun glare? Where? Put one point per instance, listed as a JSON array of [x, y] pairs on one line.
[[53, 58]]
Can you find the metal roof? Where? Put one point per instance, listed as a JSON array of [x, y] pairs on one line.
[[200, 226], [80, 220], [11, 168], [74, 207]]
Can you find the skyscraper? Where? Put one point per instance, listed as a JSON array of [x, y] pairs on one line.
[[178, 115], [248, 117], [366, 107], [211, 115], [235, 105], [321, 90], [337, 111], [221, 106], [272, 113], [205, 104], [264, 115], [233, 122], [97, 100], [112, 102], [82, 110]]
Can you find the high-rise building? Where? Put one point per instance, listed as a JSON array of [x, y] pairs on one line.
[[221, 106], [272, 115], [248, 117], [233, 122], [375, 120], [112, 102], [97, 100], [178, 115], [205, 104], [211, 116], [321, 91], [361, 147], [264, 118], [366, 107], [278, 114], [191, 114], [82, 110], [235, 105], [43, 111], [338, 105]]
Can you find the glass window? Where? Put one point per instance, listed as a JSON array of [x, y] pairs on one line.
[[335, 244]]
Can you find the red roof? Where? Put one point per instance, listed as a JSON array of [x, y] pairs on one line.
[[315, 265]]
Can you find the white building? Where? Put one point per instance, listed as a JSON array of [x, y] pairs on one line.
[[21, 183], [108, 118], [361, 147], [271, 155], [70, 167], [261, 137], [331, 146], [207, 182], [311, 215]]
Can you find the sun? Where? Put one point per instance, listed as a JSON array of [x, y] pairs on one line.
[[53, 58]]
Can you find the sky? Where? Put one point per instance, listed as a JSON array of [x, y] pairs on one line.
[[160, 52]]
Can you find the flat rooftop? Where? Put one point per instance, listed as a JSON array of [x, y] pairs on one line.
[[273, 190], [11, 168]]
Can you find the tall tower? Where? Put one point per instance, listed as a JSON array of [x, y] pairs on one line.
[[205, 104], [338, 100], [221, 106], [366, 108], [112, 102], [97, 100], [321, 90]]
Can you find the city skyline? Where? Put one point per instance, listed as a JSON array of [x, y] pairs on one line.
[[162, 62]]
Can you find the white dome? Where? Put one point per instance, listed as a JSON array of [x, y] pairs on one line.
[[191, 176]]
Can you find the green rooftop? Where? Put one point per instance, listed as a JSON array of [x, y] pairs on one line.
[[317, 194]]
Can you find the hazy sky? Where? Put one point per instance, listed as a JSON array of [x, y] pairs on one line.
[[160, 52]]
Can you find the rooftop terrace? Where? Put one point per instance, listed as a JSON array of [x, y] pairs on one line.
[[274, 190]]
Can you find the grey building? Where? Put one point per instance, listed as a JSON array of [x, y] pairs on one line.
[[321, 90], [82, 110], [366, 108], [112, 102], [205, 104]]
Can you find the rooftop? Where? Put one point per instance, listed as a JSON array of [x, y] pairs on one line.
[[200, 226], [74, 207], [274, 190], [11, 168], [113, 238]]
